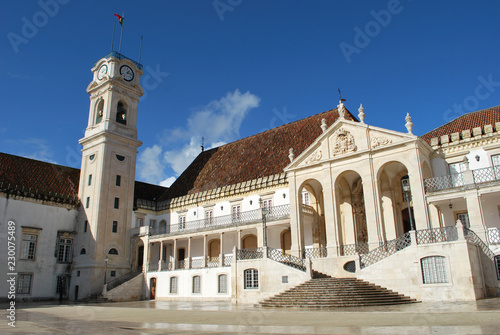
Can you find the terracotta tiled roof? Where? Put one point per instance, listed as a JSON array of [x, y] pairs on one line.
[[253, 157], [148, 191], [467, 121], [19, 173]]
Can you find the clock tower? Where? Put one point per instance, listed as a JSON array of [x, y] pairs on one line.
[[107, 175]]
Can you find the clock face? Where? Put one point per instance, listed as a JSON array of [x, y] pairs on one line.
[[127, 73], [102, 71]]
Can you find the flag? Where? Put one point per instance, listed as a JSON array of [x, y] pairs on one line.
[[120, 19]]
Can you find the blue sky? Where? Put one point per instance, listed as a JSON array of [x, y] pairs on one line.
[[227, 69]]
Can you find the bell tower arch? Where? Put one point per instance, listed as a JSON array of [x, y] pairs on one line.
[[107, 175]]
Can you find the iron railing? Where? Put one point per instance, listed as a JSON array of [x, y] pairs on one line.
[[250, 253], [385, 250], [212, 262], [486, 174], [292, 261], [123, 279], [437, 235], [120, 56], [228, 259], [196, 263], [444, 182], [471, 237], [315, 253], [494, 235], [352, 249], [231, 220]]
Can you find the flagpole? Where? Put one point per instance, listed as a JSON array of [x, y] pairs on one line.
[[113, 39], [121, 34]]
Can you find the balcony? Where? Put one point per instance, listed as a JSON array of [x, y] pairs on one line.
[[470, 177], [232, 220]]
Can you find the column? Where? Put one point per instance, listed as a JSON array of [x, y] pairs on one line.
[[295, 213], [238, 243], [189, 253], [204, 251], [145, 262], [160, 262], [221, 253], [330, 209], [475, 212], [175, 255], [421, 215]]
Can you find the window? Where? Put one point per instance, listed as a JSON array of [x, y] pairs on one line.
[[251, 278], [62, 285], [463, 217], [83, 251], [182, 222], [222, 284], [140, 222], [209, 217], [112, 273], [495, 160], [78, 273], [113, 251], [268, 204], [173, 284], [87, 204], [118, 180], [456, 173], [85, 225], [114, 229], [434, 270], [64, 250], [99, 108], [117, 203], [121, 113], [196, 284], [305, 198], [90, 179], [236, 212], [28, 246], [24, 283], [497, 264], [152, 223]]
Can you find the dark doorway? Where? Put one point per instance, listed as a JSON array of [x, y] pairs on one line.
[[152, 288], [76, 292], [406, 219], [140, 256], [181, 254]]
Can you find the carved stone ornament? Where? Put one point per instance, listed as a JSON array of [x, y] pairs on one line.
[[343, 142], [379, 141], [315, 157]]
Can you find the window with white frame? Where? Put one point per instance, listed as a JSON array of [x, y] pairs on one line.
[[28, 246], [64, 250], [463, 217], [268, 204], [24, 283], [140, 222], [456, 173], [222, 284], [251, 279], [434, 270], [196, 284], [173, 284], [495, 160], [305, 198], [182, 222], [236, 212], [209, 217]]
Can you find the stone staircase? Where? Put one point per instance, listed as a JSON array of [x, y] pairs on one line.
[[323, 291]]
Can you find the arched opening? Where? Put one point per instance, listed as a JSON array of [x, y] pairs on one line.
[[83, 251], [249, 241], [99, 111], [113, 251], [213, 250], [121, 113], [152, 288], [312, 230], [286, 241]]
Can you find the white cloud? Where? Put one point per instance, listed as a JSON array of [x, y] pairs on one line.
[[149, 165], [218, 122], [167, 182], [41, 150]]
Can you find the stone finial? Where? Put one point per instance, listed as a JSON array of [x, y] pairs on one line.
[[409, 124], [361, 113], [324, 126], [291, 155], [341, 110]]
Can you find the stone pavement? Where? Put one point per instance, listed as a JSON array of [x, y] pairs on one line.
[[163, 317]]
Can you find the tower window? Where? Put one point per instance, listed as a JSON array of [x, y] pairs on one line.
[[117, 203], [83, 251], [99, 111], [115, 226], [121, 113], [113, 251], [90, 179], [87, 204], [85, 225], [118, 180]]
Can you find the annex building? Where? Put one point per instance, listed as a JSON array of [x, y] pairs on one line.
[[328, 195]]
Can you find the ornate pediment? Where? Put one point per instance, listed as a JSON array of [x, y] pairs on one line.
[[343, 142]]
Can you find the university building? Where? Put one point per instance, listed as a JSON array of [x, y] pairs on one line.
[[328, 196]]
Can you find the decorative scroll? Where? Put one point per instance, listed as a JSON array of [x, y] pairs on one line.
[[315, 157], [379, 141]]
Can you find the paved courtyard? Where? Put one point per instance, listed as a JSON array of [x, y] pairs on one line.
[[162, 317]]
